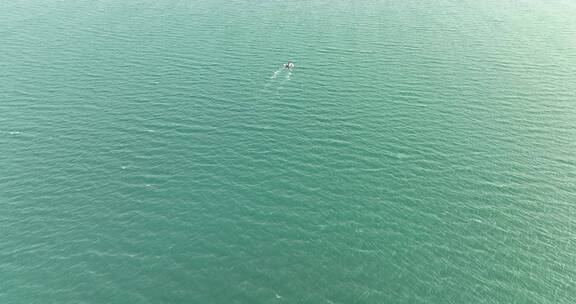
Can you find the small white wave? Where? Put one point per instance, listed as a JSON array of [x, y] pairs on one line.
[[11, 132]]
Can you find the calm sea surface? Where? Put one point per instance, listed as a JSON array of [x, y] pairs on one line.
[[419, 152]]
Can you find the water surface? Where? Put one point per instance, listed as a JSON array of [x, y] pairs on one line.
[[156, 152]]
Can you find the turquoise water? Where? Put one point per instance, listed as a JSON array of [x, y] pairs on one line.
[[156, 152]]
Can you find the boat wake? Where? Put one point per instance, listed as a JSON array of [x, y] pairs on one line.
[[276, 73], [279, 79], [282, 72]]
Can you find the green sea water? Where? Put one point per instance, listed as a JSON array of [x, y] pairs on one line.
[[157, 152]]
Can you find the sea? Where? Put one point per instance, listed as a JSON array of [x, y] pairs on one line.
[[157, 151]]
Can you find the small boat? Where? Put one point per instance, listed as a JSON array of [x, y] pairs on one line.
[[289, 65]]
